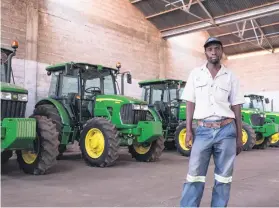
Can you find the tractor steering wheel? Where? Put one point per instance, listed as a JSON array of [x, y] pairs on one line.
[[98, 90]]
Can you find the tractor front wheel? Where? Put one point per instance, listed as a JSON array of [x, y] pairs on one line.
[[149, 152], [99, 143], [262, 142], [46, 144], [274, 140], [179, 137]]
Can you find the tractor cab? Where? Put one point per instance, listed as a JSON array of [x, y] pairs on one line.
[[77, 85], [164, 96]]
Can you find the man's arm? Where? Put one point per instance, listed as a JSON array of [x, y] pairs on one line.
[[237, 99], [189, 114], [237, 112]]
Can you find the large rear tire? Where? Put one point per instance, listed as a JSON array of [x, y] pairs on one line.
[[148, 153], [51, 112], [45, 149], [248, 137], [99, 143]]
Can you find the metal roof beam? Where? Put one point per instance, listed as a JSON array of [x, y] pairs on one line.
[[270, 35], [263, 35], [261, 11], [183, 7], [247, 29]]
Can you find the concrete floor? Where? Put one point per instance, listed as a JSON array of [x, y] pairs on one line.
[[130, 183]]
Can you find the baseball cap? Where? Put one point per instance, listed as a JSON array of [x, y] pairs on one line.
[[212, 40]]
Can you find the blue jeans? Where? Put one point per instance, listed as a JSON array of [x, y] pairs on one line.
[[221, 143]]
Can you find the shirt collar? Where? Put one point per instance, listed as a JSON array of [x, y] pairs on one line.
[[222, 71]]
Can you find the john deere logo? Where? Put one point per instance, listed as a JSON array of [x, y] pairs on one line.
[[14, 96]]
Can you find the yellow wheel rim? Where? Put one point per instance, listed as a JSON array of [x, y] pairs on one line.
[[94, 143], [244, 136], [274, 138], [28, 157], [182, 136], [141, 149], [260, 141]]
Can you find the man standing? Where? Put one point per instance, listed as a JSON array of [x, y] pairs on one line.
[[213, 99]]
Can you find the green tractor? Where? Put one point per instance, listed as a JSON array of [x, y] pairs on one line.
[[163, 97], [266, 125], [86, 107], [26, 136]]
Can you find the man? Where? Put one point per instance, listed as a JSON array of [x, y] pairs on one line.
[[214, 100]]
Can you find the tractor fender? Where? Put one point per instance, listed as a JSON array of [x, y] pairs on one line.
[[154, 114], [60, 108]]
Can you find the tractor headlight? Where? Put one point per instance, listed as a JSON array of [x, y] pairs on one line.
[[22, 97], [136, 107], [6, 96], [144, 107], [140, 107]]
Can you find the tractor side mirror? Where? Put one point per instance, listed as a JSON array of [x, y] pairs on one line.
[[129, 78], [266, 100]]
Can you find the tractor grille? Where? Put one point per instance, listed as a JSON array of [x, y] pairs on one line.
[[12, 109], [130, 116], [257, 120]]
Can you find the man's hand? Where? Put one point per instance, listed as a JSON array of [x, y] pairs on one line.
[[239, 145], [189, 138]]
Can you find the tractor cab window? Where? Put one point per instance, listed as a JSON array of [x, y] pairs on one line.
[[247, 103], [257, 103], [109, 85], [173, 94], [91, 87], [4, 66], [69, 85], [53, 84]]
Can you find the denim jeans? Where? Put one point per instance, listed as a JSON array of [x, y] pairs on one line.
[[221, 143]]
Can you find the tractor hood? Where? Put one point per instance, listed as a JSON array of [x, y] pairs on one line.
[[250, 111], [119, 99], [8, 87], [276, 114]]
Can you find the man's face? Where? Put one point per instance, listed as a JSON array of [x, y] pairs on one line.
[[214, 53]]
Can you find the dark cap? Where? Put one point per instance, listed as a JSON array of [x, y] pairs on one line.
[[212, 40]]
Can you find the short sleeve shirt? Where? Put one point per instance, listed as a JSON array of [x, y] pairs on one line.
[[212, 97]]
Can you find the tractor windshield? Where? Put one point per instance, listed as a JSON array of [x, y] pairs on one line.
[[161, 92], [253, 103], [104, 84]]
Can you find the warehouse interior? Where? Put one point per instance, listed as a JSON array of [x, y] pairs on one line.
[[152, 39]]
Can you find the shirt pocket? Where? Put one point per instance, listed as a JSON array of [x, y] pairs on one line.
[[222, 91], [201, 88]]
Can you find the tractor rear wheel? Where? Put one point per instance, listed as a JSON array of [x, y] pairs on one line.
[[262, 142], [45, 148], [148, 153], [248, 137], [51, 112], [6, 155], [274, 140], [179, 137], [99, 143]]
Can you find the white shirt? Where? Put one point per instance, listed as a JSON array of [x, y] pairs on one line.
[[213, 98]]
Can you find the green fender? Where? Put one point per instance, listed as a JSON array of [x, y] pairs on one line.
[[65, 118], [154, 114]]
